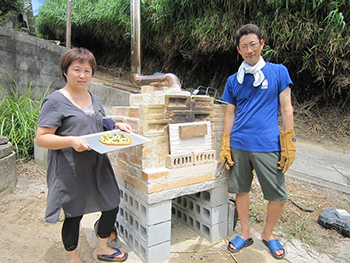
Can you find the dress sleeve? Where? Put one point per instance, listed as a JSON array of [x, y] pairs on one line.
[[49, 115]]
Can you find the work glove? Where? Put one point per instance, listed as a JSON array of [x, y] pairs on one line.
[[225, 151], [288, 149]]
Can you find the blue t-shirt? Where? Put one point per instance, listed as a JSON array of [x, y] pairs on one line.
[[256, 125]]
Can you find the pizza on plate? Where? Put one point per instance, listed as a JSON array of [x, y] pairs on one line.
[[115, 139]]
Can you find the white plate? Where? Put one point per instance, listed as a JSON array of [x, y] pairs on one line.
[[96, 145]]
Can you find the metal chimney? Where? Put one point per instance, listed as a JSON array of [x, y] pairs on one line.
[[135, 14]]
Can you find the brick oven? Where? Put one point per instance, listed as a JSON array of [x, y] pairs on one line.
[[173, 176]]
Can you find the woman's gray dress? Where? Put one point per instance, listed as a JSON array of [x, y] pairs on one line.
[[78, 182]]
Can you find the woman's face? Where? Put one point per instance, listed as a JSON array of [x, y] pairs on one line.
[[79, 75]]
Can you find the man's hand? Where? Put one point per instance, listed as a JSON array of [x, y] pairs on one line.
[[225, 152], [288, 149]]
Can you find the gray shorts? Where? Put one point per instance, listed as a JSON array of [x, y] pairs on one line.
[[272, 180]]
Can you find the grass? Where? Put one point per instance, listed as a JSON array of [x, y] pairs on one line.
[[297, 223], [19, 114]]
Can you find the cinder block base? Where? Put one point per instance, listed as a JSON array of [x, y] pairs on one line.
[[146, 228], [211, 232]]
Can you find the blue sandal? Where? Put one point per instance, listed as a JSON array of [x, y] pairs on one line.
[[239, 244], [273, 246]]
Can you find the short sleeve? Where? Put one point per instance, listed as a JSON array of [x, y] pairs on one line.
[[285, 80], [49, 115], [227, 95]]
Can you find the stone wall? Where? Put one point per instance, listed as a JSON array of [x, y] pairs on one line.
[[29, 59]]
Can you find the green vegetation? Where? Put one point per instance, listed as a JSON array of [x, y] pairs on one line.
[[195, 39], [9, 8], [10, 5], [19, 111]]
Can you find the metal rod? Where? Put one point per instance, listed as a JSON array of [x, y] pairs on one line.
[[69, 23], [135, 36]]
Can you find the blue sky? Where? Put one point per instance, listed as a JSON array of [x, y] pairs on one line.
[[36, 5]]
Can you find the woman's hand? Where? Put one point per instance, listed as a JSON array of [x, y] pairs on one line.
[[123, 126], [80, 144]]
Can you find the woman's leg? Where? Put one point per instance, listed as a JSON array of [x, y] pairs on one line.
[[70, 237], [105, 226]]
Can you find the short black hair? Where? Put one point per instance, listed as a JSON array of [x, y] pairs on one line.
[[79, 54], [248, 29]]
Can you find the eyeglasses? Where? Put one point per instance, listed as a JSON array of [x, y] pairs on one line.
[[251, 45]]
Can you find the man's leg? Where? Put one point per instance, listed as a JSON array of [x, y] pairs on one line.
[[242, 204], [274, 212]]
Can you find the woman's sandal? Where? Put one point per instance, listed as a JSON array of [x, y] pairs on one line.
[[113, 257]]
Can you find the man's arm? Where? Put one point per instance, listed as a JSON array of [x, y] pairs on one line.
[[225, 151], [286, 109], [230, 116], [287, 137]]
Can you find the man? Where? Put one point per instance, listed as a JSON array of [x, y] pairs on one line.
[[251, 139]]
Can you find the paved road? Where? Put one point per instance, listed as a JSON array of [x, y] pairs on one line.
[[322, 166]]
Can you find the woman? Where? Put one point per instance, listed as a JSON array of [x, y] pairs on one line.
[[80, 181]]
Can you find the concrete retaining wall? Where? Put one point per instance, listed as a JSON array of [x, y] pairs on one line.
[[28, 59]]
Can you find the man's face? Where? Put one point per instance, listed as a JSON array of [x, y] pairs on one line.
[[250, 48]]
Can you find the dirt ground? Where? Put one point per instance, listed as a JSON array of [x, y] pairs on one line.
[[26, 237]]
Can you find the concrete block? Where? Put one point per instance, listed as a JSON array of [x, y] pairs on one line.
[[200, 102], [202, 157], [149, 234], [136, 100], [232, 217], [177, 102], [148, 213], [202, 115], [208, 215], [179, 116], [152, 111], [175, 161], [156, 197], [155, 127], [210, 232], [158, 253], [213, 197]]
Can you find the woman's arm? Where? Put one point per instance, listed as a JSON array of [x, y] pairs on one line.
[[46, 137]]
